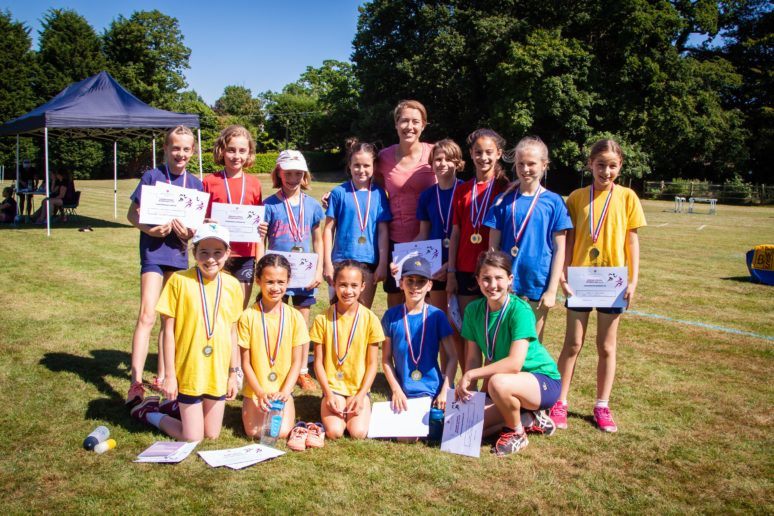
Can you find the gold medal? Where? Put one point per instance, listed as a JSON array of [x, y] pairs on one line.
[[446, 242], [475, 238], [515, 251], [272, 376], [297, 249], [416, 375], [207, 350], [361, 240], [594, 253]]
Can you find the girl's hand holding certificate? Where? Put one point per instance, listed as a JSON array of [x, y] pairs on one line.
[[462, 393], [399, 401]]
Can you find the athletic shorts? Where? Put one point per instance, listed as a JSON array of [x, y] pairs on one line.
[[300, 301], [193, 400], [242, 268], [550, 389], [438, 286], [158, 269], [389, 284], [611, 311], [467, 284]]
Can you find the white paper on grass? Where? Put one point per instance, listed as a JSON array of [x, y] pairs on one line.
[[430, 250], [242, 220], [167, 452], [597, 286], [463, 425], [239, 458], [413, 422], [303, 268], [163, 202]]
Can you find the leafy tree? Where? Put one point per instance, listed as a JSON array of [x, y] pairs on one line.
[[238, 101], [146, 55], [291, 114]]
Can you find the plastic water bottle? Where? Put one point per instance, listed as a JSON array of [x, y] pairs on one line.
[[105, 446], [273, 423], [100, 434], [436, 425]]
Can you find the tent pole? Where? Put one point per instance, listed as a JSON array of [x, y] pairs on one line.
[[48, 194], [153, 146], [199, 136], [17, 162], [115, 179]]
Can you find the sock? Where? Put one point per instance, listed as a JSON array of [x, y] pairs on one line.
[[519, 429], [304, 370], [154, 418], [564, 402], [601, 404]]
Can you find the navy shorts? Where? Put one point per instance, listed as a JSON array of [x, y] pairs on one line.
[[550, 389], [193, 400], [467, 284], [241, 268], [611, 311], [300, 301], [438, 286], [389, 285], [158, 269]]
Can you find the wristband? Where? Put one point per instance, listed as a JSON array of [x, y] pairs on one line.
[[450, 271]]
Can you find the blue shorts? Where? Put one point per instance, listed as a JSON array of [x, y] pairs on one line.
[[241, 268], [193, 400], [158, 269], [611, 311], [550, 389], [300, 301]]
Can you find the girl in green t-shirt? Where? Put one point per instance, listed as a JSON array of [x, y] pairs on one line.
[[519, 375]]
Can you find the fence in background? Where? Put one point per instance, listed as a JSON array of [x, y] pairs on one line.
[[726, 193]]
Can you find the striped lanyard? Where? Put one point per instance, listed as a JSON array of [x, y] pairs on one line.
[[272, 356], [477, 211], [594, 232], [340, 359], [361, 220], [517, 235], [296, 226], [228, 190], [490, 346], [445, 221], [209, 324], [169, 179], [414, 358]]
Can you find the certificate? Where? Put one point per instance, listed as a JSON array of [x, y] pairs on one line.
[[239, 458], [430, 250], [170, 452], [463, 425], [303, 267], [163, 202], [241, 220], [597, 286], [414, 422]]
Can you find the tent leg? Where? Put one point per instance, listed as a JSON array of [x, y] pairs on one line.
[[17, 162], [115, 180], [153, 146], [199, 136], [48, 194]]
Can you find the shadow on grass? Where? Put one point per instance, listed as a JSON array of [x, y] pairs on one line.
[[95, 370], [739, 279], [72, 223]]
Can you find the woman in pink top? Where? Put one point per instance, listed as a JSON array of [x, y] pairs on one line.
[[404, 171]]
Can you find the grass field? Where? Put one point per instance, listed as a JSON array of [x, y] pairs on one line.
[[694, 405]]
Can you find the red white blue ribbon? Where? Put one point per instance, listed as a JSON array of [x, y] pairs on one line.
[[490, 346], [272, 356], [228, 190], [594, 232], [477, 211], [445, 221], [362, 221], [209, 324], [296, 226], [340, 359], [517, 235], [414, 358]]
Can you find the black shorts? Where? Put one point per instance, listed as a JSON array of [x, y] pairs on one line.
[[467, 284], [610, 311], [438, 286], [389, 284]]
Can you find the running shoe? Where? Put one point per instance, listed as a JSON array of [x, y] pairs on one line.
[[604, 419], [510, 442], [541, 423], [135, 395], [559, 415], [297, 437], [170, 408], [316, 436], [145, 407], [306, 382]]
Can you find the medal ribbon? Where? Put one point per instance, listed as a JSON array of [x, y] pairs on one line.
[[272, 356], [445, 222], [228, 190], [296, 227], [592, 231], [209, 325], [363, 222], [340, 359], [517, 236], [408, 335], [490, 347], [169, 179], [477, 210]]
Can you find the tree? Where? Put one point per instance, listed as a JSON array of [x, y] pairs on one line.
[[291, 114], [147, 56], [239, 102]]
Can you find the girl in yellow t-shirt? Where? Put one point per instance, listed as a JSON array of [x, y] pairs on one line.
[[605, 217], [271, 337], [202, 307], [346, 354]]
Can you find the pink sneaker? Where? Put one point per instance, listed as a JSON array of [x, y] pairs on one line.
[[558, 415], [604, 419], [316, 436], [297, 437]]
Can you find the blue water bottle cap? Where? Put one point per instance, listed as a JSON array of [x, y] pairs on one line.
[[277, 405], [436, 413]]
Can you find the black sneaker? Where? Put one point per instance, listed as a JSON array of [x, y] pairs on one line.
[[148, 405], [510, 442], [542, 423]]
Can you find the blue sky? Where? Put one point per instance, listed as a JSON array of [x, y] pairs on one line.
[[259, 44]]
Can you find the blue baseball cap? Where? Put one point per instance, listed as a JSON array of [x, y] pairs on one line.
[[416, 266]]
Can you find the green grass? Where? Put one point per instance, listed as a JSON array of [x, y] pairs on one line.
[[693, 404]]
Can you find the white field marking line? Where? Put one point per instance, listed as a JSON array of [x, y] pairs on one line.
[[662, 225], [703, 325], [702, 227]]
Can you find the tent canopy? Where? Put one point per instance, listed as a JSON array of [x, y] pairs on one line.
[[97, 107]]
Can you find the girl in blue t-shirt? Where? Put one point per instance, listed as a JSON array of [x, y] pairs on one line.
[[530, 224], [356, 221], [163, 251], [294, 226], [414, 332]]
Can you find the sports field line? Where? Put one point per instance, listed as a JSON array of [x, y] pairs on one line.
[[662, 225], [702, 227], [702, 325]]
